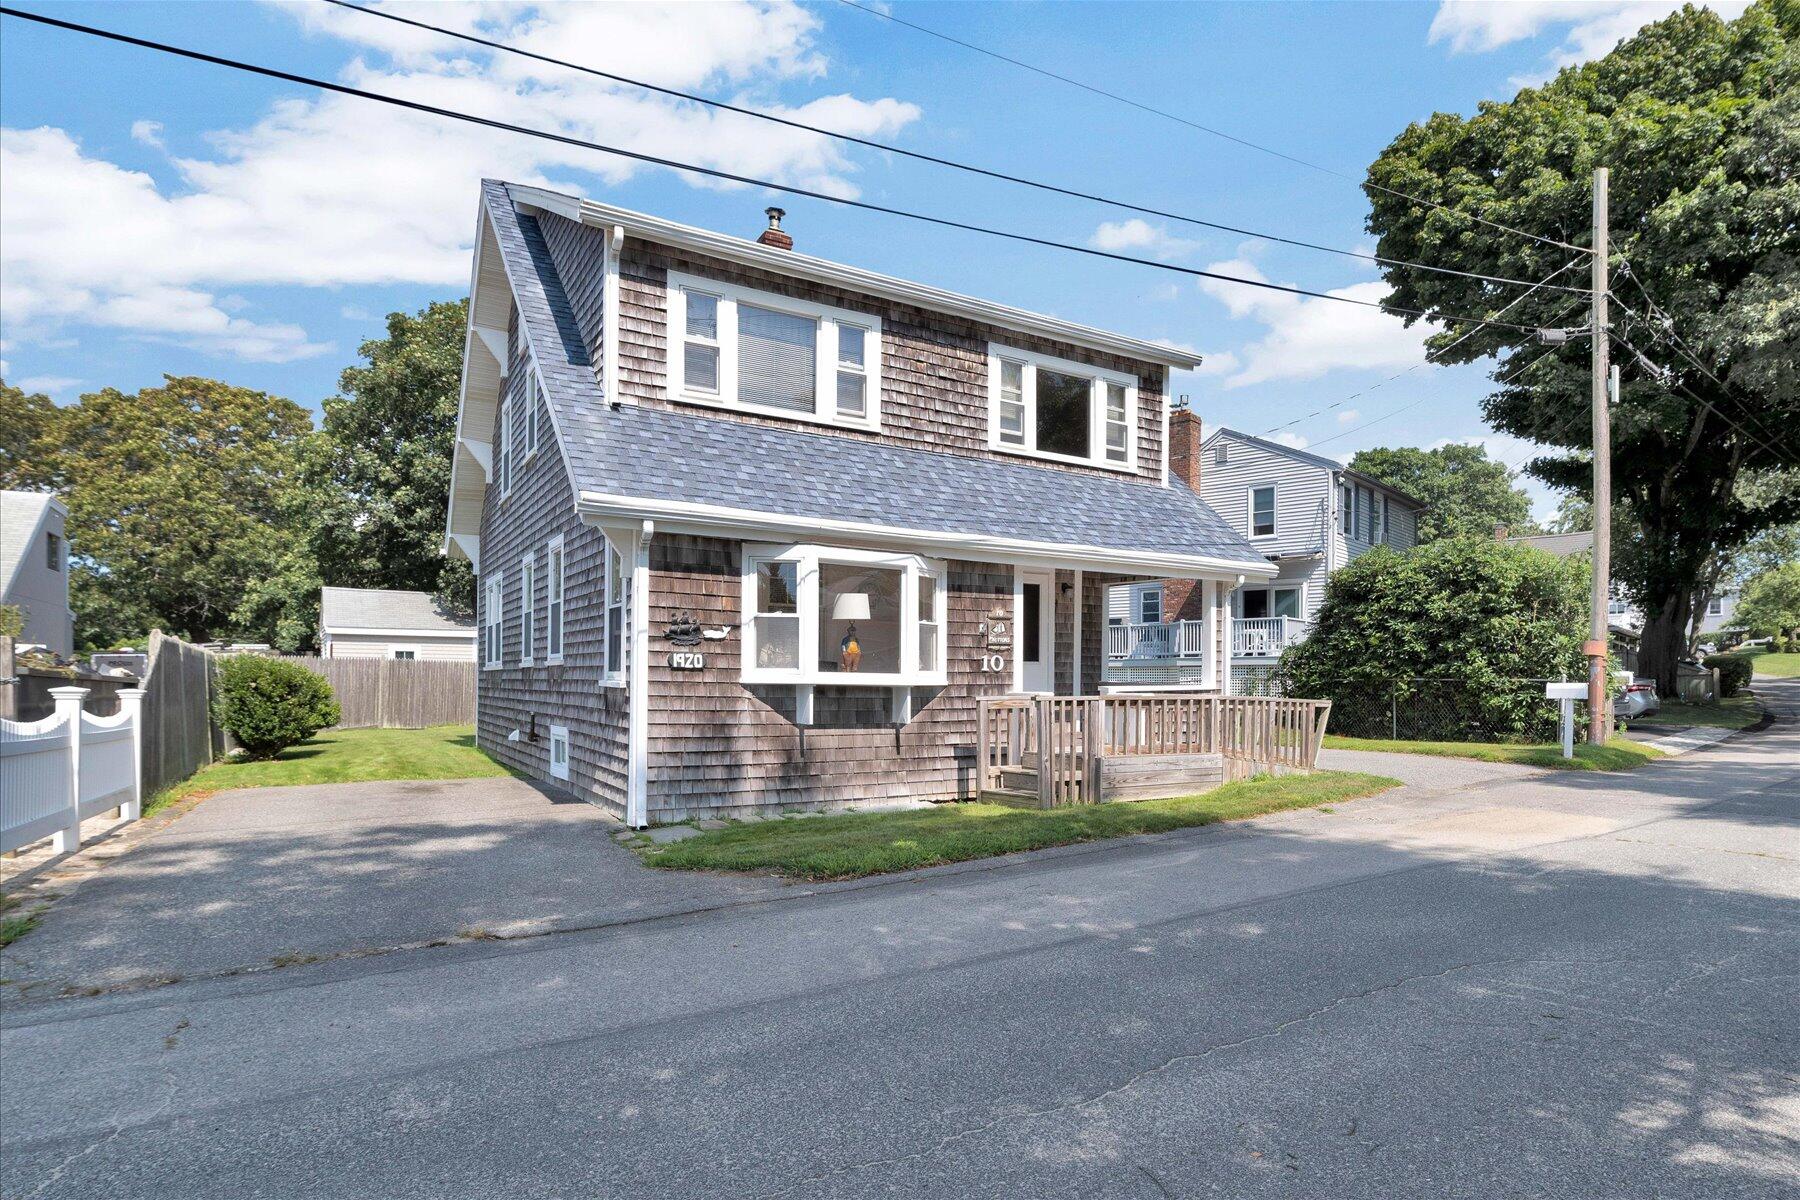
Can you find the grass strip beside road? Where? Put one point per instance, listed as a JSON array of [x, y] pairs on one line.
[[858, 844], [1780, 666], [1739, 712], [1617, 755], [346, 756]]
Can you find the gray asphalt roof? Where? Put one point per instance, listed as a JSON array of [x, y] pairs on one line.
[[20, 515], [374, 608], [671, 455]]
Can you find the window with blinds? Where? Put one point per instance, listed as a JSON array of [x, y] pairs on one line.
[[778, 359]]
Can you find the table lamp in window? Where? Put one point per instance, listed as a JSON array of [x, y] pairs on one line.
[[851, 607]]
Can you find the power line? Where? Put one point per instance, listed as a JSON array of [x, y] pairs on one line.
[[954, 164], [1219, 133], [1672, 381], [1425, 399], [712, 172]]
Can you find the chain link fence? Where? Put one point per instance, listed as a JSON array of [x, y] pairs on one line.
[[1441, 710]]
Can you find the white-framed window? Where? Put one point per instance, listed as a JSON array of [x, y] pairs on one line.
[[559, 752], [493, 611], [1150, 602], [530, 417], [1378, 520], [616, 592], [1261, 502], [403, 653], [1258, 603], [1715, 607], [504, 451], [553, 601], [831, 615], [1053, 408], [762, 352], [528, 610], [1347, 508]]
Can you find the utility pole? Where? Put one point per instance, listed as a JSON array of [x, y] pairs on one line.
[[1597, 620]]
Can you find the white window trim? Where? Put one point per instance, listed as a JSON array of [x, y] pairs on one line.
[[1031, 361], [558, 733], [1250, 512], [1149, 590], [807, 558], [1271, 589], [553, 552], [493, 622], [507, 448], [532, 399], [393, 652], [527, 609], [825, 356], [613, 674]]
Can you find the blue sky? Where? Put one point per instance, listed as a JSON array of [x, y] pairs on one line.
[[161, 216]]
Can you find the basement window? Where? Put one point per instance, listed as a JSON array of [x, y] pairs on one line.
[[1053, 408], [832, 615]]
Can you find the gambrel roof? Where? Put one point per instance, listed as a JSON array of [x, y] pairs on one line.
[[629, 462]]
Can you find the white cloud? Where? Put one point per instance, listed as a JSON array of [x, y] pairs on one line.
[[148, 133], [1222, 363], [335, 191], [1138, 237], [50, 385], [1347, 415], [1309, 337], [1288, 437], [1593, 27]]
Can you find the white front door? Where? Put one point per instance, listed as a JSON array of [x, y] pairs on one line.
[[1034, 609]]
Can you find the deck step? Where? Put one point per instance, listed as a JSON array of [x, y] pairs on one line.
[[1010, 797]]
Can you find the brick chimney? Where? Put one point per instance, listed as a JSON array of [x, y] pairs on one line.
[[1184, 446], [773, 236]]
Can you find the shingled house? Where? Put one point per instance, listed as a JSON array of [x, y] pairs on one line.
[[754, 530]]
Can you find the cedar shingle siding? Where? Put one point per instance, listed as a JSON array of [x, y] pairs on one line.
[[541, 505]]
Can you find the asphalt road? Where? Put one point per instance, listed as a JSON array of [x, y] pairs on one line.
[[1517, 984]]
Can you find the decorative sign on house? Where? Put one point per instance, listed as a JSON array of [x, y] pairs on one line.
[[997, 629], [683, 630]]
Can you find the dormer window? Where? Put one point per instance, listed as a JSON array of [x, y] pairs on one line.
[[761, 352], [1067, 411]]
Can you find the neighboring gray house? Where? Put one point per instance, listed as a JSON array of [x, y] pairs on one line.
[[755, 530], [34, 568], [1305, 513], [372, 623]]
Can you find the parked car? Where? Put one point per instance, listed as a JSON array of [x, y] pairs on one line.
[[1637, 699]]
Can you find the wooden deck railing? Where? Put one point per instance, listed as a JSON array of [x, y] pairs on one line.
[[1060, 739]]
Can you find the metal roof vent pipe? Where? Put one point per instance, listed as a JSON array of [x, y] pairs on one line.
[[773, 235]]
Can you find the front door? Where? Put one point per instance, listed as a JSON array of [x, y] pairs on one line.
[[1036, 624]]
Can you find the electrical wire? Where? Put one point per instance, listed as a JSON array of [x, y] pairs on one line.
[[1219, 133], [954, 164], [712, 172]]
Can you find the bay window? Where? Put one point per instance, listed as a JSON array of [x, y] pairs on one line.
[[742, 348], [1052, 408], [826, 615]]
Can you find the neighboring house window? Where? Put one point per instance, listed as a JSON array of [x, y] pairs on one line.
[[764, 352], [1715, 607], [527, 609], [492, 610], [1262, 511], [1347, 508], [612, 669], [559, 752], [402, 653], [504, 435], [1053, 408], [530, 441], [1150, 606], [53, 551], [1259, 603], [553, 607], [824, 614]]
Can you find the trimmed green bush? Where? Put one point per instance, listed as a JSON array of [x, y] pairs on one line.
[[1734, 672], [269, 704]]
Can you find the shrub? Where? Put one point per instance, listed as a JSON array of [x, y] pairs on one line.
[[269, 704], [1458, 635], [1734, 671]]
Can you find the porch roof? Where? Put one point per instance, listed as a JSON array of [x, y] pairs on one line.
[[657, 461]]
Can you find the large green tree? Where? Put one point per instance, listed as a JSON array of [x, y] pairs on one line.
[[29, 423], [1467, 494], [175, 498], [1699, 121]]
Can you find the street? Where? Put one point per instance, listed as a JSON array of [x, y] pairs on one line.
[[1516, 983]]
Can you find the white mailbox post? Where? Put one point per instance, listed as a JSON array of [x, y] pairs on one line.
[[1568, 694]]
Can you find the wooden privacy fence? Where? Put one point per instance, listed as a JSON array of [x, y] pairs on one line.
[[1059, 746], [179, 735], [58, 771], [398, 693]]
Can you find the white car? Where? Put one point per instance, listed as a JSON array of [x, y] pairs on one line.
[[1637, 699]]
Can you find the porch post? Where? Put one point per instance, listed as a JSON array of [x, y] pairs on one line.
[[1079, 649]]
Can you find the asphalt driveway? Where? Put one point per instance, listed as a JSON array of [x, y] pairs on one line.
[[272, 876]]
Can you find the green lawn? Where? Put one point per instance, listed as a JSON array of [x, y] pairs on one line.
[[1616, 755], [845, 847], [1781, 666], [1739, 712], [347, 756]]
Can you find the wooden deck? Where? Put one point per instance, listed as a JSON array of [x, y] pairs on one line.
[[1054, 751]]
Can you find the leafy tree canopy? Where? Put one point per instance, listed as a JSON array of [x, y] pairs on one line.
[[1467, 493], [28, 436], [1699, 121], [1771, 603]]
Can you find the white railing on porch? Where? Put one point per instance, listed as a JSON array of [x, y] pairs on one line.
[[1266, 637], [1157, 639], [57, 772]]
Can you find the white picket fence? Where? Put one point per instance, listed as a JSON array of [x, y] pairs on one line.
[[57, 772]]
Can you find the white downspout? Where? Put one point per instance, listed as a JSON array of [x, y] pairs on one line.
[[637, 806]]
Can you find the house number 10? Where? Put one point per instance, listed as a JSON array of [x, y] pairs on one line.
[[993, 662]]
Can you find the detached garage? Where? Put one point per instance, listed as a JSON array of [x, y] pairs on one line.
[[370, 623]]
